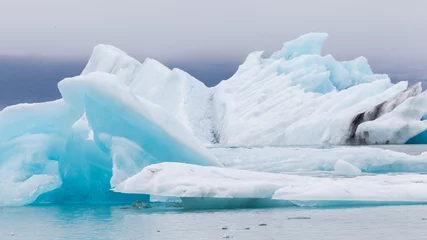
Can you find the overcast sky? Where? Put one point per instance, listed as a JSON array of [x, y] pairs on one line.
[[206, 38], [380, 29]]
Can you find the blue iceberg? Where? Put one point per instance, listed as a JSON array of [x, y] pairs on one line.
[[121, 115]]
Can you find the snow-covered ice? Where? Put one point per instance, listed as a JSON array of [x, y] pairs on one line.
[[192, 181]]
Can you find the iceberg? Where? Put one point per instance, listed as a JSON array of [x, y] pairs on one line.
[[121, 115], [200, 183], [294, 97]]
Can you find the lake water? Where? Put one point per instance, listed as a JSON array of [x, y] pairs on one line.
[[159, 222]]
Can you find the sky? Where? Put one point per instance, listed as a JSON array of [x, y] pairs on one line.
[[209, 38]]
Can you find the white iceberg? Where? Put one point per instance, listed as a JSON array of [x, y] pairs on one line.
[[192, 182], [294, 97]]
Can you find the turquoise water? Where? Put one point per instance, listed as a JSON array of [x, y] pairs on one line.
[[161, 222]]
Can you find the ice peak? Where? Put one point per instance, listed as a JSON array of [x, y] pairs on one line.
[[109, 59], [150, 63], [311, 43]]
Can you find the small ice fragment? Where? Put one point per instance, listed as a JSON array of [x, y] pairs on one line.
[[224, 228], [247, 228], [262, 224], [227, 236], [423, 218], [299, 217], [12, 234]]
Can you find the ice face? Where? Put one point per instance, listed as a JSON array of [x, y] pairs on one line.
[[191, 181], [121, 115]]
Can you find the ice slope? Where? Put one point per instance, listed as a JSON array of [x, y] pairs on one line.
[[309, 160], [192, 181]]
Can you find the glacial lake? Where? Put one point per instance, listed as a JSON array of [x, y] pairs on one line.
[[160, 222]]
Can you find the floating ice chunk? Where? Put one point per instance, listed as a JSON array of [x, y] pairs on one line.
[[344, 168], [299, 217], [191, 181], [185, 180]]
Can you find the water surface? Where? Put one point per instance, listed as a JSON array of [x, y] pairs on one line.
[[112, 222]]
